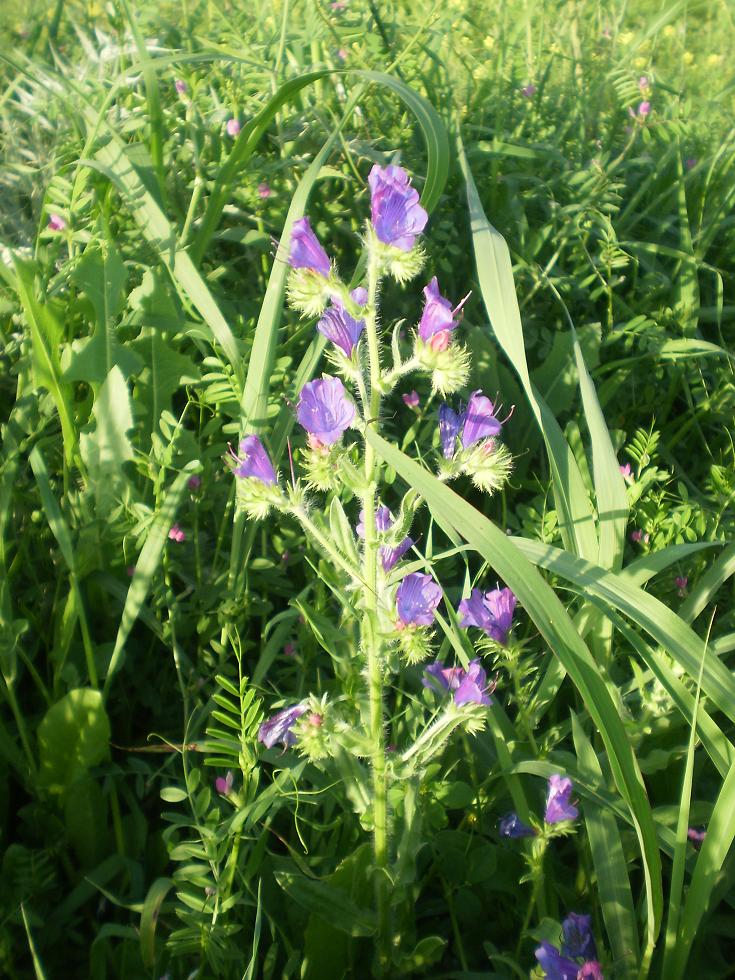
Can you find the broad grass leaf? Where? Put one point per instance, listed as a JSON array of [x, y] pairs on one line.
[[73, 736], [107, 447]]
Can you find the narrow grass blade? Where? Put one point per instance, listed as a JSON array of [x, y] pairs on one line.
[[554, 624], [716, 575], [149, 917], [146, 567], [495, 275], [613, 883]]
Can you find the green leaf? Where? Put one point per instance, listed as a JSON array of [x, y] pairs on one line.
[[73, 736], [101, 275], [107, 447], [613, 883], [46, 334], [330, 903], [149, 918]]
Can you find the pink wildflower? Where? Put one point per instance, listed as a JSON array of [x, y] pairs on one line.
[[176, 534], [233, 127], [56, 222], [528, 91], [264, 190], [411, 398], [681, 582]]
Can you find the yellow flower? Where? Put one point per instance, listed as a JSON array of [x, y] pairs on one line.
[[669, 30], [687, 57], [640, 62], [626, 37], [489, 42], [714, 60]]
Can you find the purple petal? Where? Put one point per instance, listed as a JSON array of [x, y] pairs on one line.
[[578, 939], [254, 461], [278, 728], [473, 686], [396, 214], [437, 315], [558, 806], [389, 556], [449, 425], [480, 421], [306, 251], [554, 965], [474, 612], [343, 330], [417, 597], [512, 826], [324, 409]]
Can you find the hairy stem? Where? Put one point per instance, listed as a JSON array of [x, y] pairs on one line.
[[369, 628]]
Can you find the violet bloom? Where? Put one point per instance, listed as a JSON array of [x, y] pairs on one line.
[[278, 728], [396, 214], [528, 91], [223, 784], [681, 582], [194, 482], [696, 836], [438, 319], [383, 522], [181, 87], [56, 222], [176, 534], [467, 686], [491, 612], [513, 827], [233, 127], [479, 420], [338, 326], [558, 806], [324, 409], [643, 84], [644, 109], [578, 941], [690, 163], [450, 423], [264, 190], [554, 965], [254, 462], [306, 252], [417, 597], [411, 398]]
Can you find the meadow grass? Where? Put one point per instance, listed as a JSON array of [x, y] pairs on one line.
[[578, 163]]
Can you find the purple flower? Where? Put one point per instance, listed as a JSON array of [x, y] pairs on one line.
[[626, 471], [450, 423], [383, 522], [492, 612], [479, 420], [181, 87], [396, 214], [411, 398], [223, 785], [690, 163], [176, 534], [469, 685], [591, 970], [264, 190], [233, 127], [696, 836], [447, 677], [306, 252], [681, 582], [528, 91], [554, 965], [278, 728], [474, 686], [56, 222], [643, 109], [512, 826], [578, 941], [643, 84], [343, 330], [254, 462], [558, 807], [417, 597], [438, 319], [194, 482], [324, 409]]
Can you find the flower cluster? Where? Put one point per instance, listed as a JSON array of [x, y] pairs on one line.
[[469, 443], [558, 815], [577, 959]]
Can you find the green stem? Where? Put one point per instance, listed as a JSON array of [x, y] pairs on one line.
[[301, 515], [369, 632]]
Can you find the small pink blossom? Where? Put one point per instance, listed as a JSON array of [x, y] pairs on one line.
[[285, 555], [696, 836], [339, 5], [681, 582], [342, 54], [194, 482], [289, 649], [411, 398], [315, 720], [264, 190], [690, 163], [440, 341], [181, 87], [223, 785], [233, 127], [176, 534], [626, 471], [56, 222], [638, 536], [528, 91], [643, 84]]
